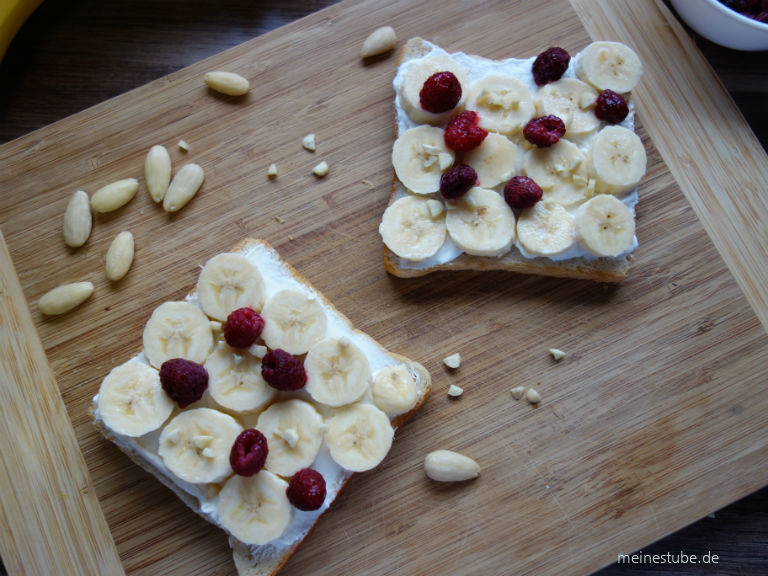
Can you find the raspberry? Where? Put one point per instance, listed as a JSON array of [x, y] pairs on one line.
[[306, 490], [249, 452], [611, 107], [544, 131], [243, 327], [522, 192], [456, 181], [441, 92], [463, 133], [184, 381], [282, 370], [550, 65]]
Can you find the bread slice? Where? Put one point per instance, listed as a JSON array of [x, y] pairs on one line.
[[266, 559], [583, 265]]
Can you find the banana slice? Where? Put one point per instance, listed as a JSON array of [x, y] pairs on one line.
[[616, 160], [337, 372], [420, 157], [496, 160], [415, 74], [131, 400], [573, 102], [546, 229], [235, 382], [560, 170], [195, 445], [394, 389], [229, 281], [610, 65], [293, 321], [481, 223], [359, 436], [605, 226], [413, 227], [255, 509], [294, 434], [177, 330], [504, 103]]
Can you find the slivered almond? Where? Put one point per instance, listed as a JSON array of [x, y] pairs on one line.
[[78, 220], [115, 195], [183, 187], [64, 298], [449, 466], [119, 256], [157, 171], [378, 42], [227, 83]]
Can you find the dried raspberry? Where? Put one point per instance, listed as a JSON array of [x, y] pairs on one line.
[[522, 192], [243, 327], [463, 132], [544, 131], [184, 381], [306, 490], [457, 180], [550, 65], [441, 92], [611, 107], [249, 452], [283, 371]]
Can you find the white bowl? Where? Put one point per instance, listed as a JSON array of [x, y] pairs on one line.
[[723, 26]]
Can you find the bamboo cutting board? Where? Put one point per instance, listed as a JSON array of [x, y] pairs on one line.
[[656, 416]]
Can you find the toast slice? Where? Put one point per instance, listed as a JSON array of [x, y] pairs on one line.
[[144, 432], [577, 260]]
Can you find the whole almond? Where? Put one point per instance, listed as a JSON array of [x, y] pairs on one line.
[[157, 171], [380, 41], [449, 466], [78, 220], [64, 298], [114, 195], [183, 187], [119, 256], [227, 82]]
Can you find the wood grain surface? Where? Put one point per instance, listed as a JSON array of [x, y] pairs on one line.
[[50, 512], [654, 419]]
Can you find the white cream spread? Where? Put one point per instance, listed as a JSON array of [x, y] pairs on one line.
[[479, 68], [276, 277]]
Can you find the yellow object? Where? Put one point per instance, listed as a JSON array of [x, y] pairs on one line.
[[13, 13]]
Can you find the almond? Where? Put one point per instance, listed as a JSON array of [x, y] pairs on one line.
[[64, 298], [78, 220], [453, 361], [114, 195], [119, 256], [157, 172], [533, 396], [378, 42], [227, 83], [308, 142], [557, 354], [321, 169], [449, 466], [183, 187]]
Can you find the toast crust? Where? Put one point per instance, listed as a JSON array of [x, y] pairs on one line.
[[264, 560], [599, 270]]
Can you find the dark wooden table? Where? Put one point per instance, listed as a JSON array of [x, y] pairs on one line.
[[71, 55]]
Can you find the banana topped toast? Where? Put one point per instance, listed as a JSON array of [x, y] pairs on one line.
[[255, 400], [528, 165]]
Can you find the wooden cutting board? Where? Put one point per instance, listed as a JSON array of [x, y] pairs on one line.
[[655, 418]]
